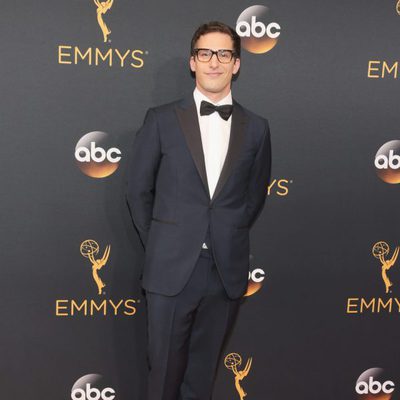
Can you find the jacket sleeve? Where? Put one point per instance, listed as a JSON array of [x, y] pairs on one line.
[[259, 178], [142, 172]]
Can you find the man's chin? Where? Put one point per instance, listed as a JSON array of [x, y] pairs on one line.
[[214, 89]]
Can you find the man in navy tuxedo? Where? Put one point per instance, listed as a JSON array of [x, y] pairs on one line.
[[198, 179]]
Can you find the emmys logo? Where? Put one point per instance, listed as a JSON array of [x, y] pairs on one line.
[[92, 157], [360, 305], [102, 8], [233, 361], [89, 249], [94, 56], [387, 162], [90, 307], [84, 389], [256, 29], [373, 384]]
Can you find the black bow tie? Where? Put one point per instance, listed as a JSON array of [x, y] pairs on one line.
[[224, 111]]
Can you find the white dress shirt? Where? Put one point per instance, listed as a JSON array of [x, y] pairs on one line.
[[215, 133]]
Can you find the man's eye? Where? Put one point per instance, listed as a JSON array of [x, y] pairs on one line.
[[204, 53]]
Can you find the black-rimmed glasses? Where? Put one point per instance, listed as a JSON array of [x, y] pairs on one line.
[[224, 56]]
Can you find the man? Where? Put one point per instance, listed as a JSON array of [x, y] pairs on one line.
[[197, 181]]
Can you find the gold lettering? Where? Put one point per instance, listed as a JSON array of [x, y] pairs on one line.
[[350, 304], [108, 54], [69, 308], [141, 62], [122, 58], [93, 306], [78, 308], [60, 307], [271, 186], [96, 56], [115, 306], [83, 56], [397, 302], [370, 69], [61, 54], [384, 305], [389, 70], [133, 308], [366, 305], [285, 188]]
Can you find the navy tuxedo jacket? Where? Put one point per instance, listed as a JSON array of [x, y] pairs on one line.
[[169, 200]]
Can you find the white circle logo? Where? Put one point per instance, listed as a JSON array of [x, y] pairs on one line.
[[94, 155], [387, 162], [373, 384], [255, 280], [258, 31], [87, 388]]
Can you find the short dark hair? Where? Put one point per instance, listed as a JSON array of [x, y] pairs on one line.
[[216, 26]]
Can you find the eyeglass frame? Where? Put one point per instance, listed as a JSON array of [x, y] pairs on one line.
[[232, 52]]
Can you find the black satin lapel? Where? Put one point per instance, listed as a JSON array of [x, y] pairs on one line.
[[190, 127], [236, 141]]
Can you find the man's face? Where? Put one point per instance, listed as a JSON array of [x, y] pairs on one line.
[[213, 78]]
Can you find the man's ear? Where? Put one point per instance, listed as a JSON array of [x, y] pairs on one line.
[[236, 66], [192, 64]]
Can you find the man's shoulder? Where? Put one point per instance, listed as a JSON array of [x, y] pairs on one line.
[[257, 120], [171, 106]]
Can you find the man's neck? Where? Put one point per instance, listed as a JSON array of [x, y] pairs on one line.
[[214, 97]]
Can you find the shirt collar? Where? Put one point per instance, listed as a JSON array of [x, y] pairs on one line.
[[199, 97]]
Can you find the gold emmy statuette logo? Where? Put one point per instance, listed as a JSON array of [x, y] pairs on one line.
[[89, 249], [379, 251], [232, 361], [398, 7], [102, 8]]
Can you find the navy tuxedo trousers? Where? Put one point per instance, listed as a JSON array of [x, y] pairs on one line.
[[186, 333]]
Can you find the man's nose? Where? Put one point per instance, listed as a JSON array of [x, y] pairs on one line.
[[214, 61]]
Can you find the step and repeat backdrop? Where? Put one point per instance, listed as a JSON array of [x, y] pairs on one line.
[[320, 319]]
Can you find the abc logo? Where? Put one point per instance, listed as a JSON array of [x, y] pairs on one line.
[[83, 389], [387, 162], [256, 277], [258, 32], [373, 384], [92, 394], [94, 155]]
